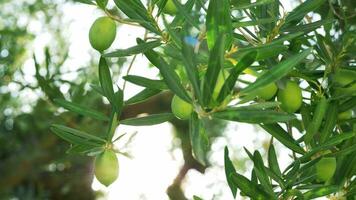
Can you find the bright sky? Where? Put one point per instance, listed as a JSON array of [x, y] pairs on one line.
[[154, 166]]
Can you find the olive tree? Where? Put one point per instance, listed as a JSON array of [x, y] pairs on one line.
[[291, 73]]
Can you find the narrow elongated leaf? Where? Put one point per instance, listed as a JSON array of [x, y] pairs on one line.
[[142, 96], [319, 113], [191, 69], [135, 10], [76, 137], [148, 120], [160, 4], [180, 19], [306, 28], [185, 13], [287, 37], [197, 198], [218, 22], [198, 138], [254, 116], [347, 104], [105, 80], [253, 23], [300, 11], [215, 65], [169, 75], [277, 71], [282, 136], [250, 5], [321, 191], [273, 161], [249, 188], [140, 48], [145, 82], [261, 172], [263, 51], [82, 110], [230, 82], [79, 133], [229, 170]]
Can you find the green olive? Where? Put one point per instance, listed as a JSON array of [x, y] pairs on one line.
[[290, 97], [345, 115], [180, 108], [325, 168], [102, 33], [268, 91], [170, 8], [106, 167]]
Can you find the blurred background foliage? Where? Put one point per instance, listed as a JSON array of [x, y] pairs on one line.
[[33, 164]]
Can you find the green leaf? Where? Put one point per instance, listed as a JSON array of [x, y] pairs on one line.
[[249, 188], [306, 28], [263, 105], [190, 67], [197, 198], [253, 23], [198, 138], [135, 10], [140, 48], [102, 3], [242, 64], [300, 11], [145, 82], [286, 37], [254, 116], [263, 51], [273, 161], [89, 2], [215, 65], [181, 18], [277, 72], [142, 96], [119, 101], [248, 5], [82, 110], [229, 170], [282, 136], [182, 11], [321, 191], [113, 123], [148, 120], [318, 116], [105, 80], [261, 172], [76, 137], [169, 75], [160, 4], [86, 150], [218, 22]]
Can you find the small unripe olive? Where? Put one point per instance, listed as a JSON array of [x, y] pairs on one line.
[[325, 168], [106, 167], [170, 8], [268, 91], [180, 108], [290, 97], [102, 33]]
